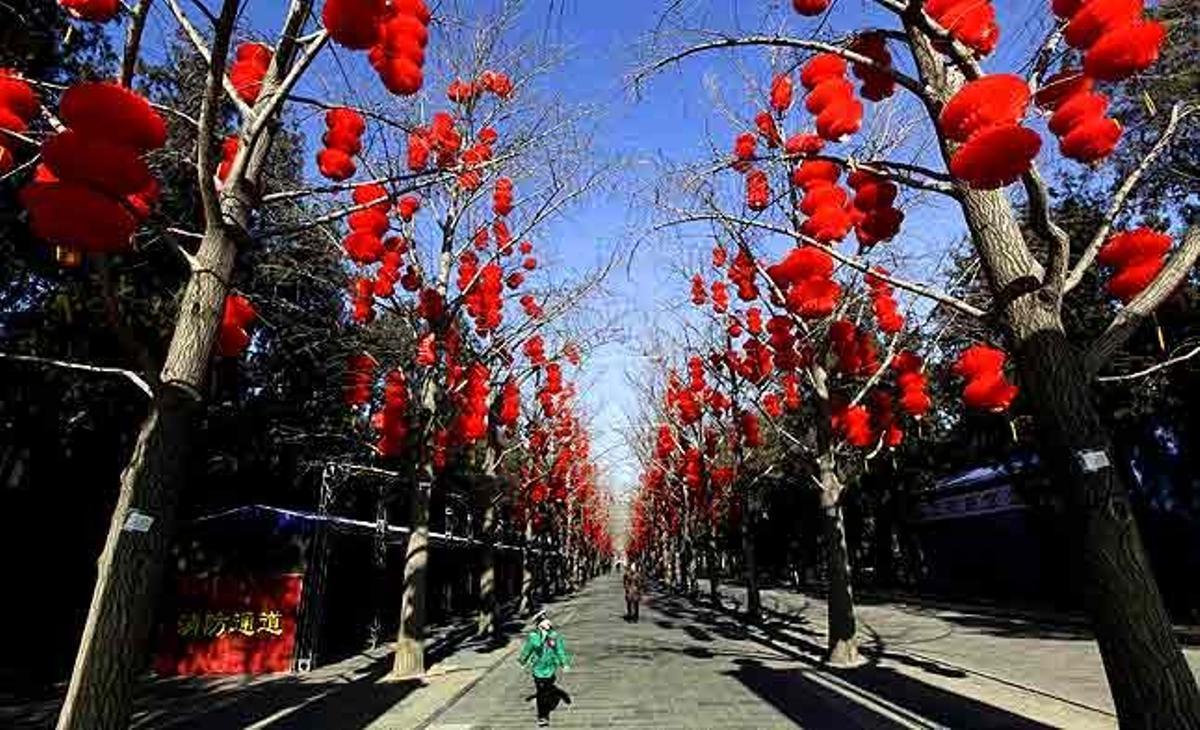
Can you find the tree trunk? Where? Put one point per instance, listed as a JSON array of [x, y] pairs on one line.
[[1151, 682], [843, 628], [410, 642], [714, 572], [113, 649], [749, 564], [527, 571], [487, 621]]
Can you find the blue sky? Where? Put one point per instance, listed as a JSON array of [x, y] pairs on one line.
[[671, 122]]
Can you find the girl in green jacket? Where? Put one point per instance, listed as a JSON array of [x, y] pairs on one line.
[[543, 654]]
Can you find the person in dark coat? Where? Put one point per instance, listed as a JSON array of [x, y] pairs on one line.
[[633, 592]]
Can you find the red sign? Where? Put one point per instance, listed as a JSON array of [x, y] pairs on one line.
[[231, 625]]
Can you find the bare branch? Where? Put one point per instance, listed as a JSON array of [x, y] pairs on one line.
[[133, 40], [133, 377], [1152, 369], [908, 82], [208, 112]]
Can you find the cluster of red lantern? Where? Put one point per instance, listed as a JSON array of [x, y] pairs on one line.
[[984, 117], [18, 107], [878, 219], [470, 423], [830, 215], [395, 33], [831, 97], [749, 429], [1136, 257], [531, 307], [510, 404], [93, 11], [806, 277], [368, 224], [485, 298], [93, 188], [391, 421], [502, 196], [441, 138], [1078, 117], [1117, 39], [878, 82], [360, 373], [758, 190], [912, 384], [854, 348], [249, 68], [535, 350], [342, 141], [883, 302], [971, 22], [986, 387], [388, 273], [720, 297], [362, 300], [232, 335], [854, 424], [466, 92]]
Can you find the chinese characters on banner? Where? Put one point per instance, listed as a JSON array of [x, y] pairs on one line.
[[230, 625]]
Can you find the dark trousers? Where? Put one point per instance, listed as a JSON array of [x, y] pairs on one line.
[[631, 608], [547, 696]]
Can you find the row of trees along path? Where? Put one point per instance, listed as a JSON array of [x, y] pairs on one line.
[[819, 346], [469, 360]]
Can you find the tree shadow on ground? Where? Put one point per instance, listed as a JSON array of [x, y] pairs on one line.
[[286, 702], [814, 695], [814, 703]]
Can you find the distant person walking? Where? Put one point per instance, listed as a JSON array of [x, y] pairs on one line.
[[633, 592], [544, 653]]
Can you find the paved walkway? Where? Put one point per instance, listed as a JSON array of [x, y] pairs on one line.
[[690, 666]]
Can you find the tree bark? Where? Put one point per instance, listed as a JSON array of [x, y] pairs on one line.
[[1151, 682], [487, 620], [112, 651], [410, 642], [527, 571], [843, 628], [749, 563]]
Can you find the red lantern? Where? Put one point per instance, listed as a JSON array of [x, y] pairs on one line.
[[781, 93], [232, 337], [1137, 256], [93, 11], [986, 387], [811, 7], [996, 156], [995, 100], [249, 68]]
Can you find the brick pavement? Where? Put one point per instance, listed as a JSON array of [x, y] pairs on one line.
[[686, 665]]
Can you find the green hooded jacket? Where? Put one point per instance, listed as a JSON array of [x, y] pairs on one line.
[[544, 653]]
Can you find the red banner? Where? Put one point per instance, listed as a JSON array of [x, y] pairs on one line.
[[231, 625]]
